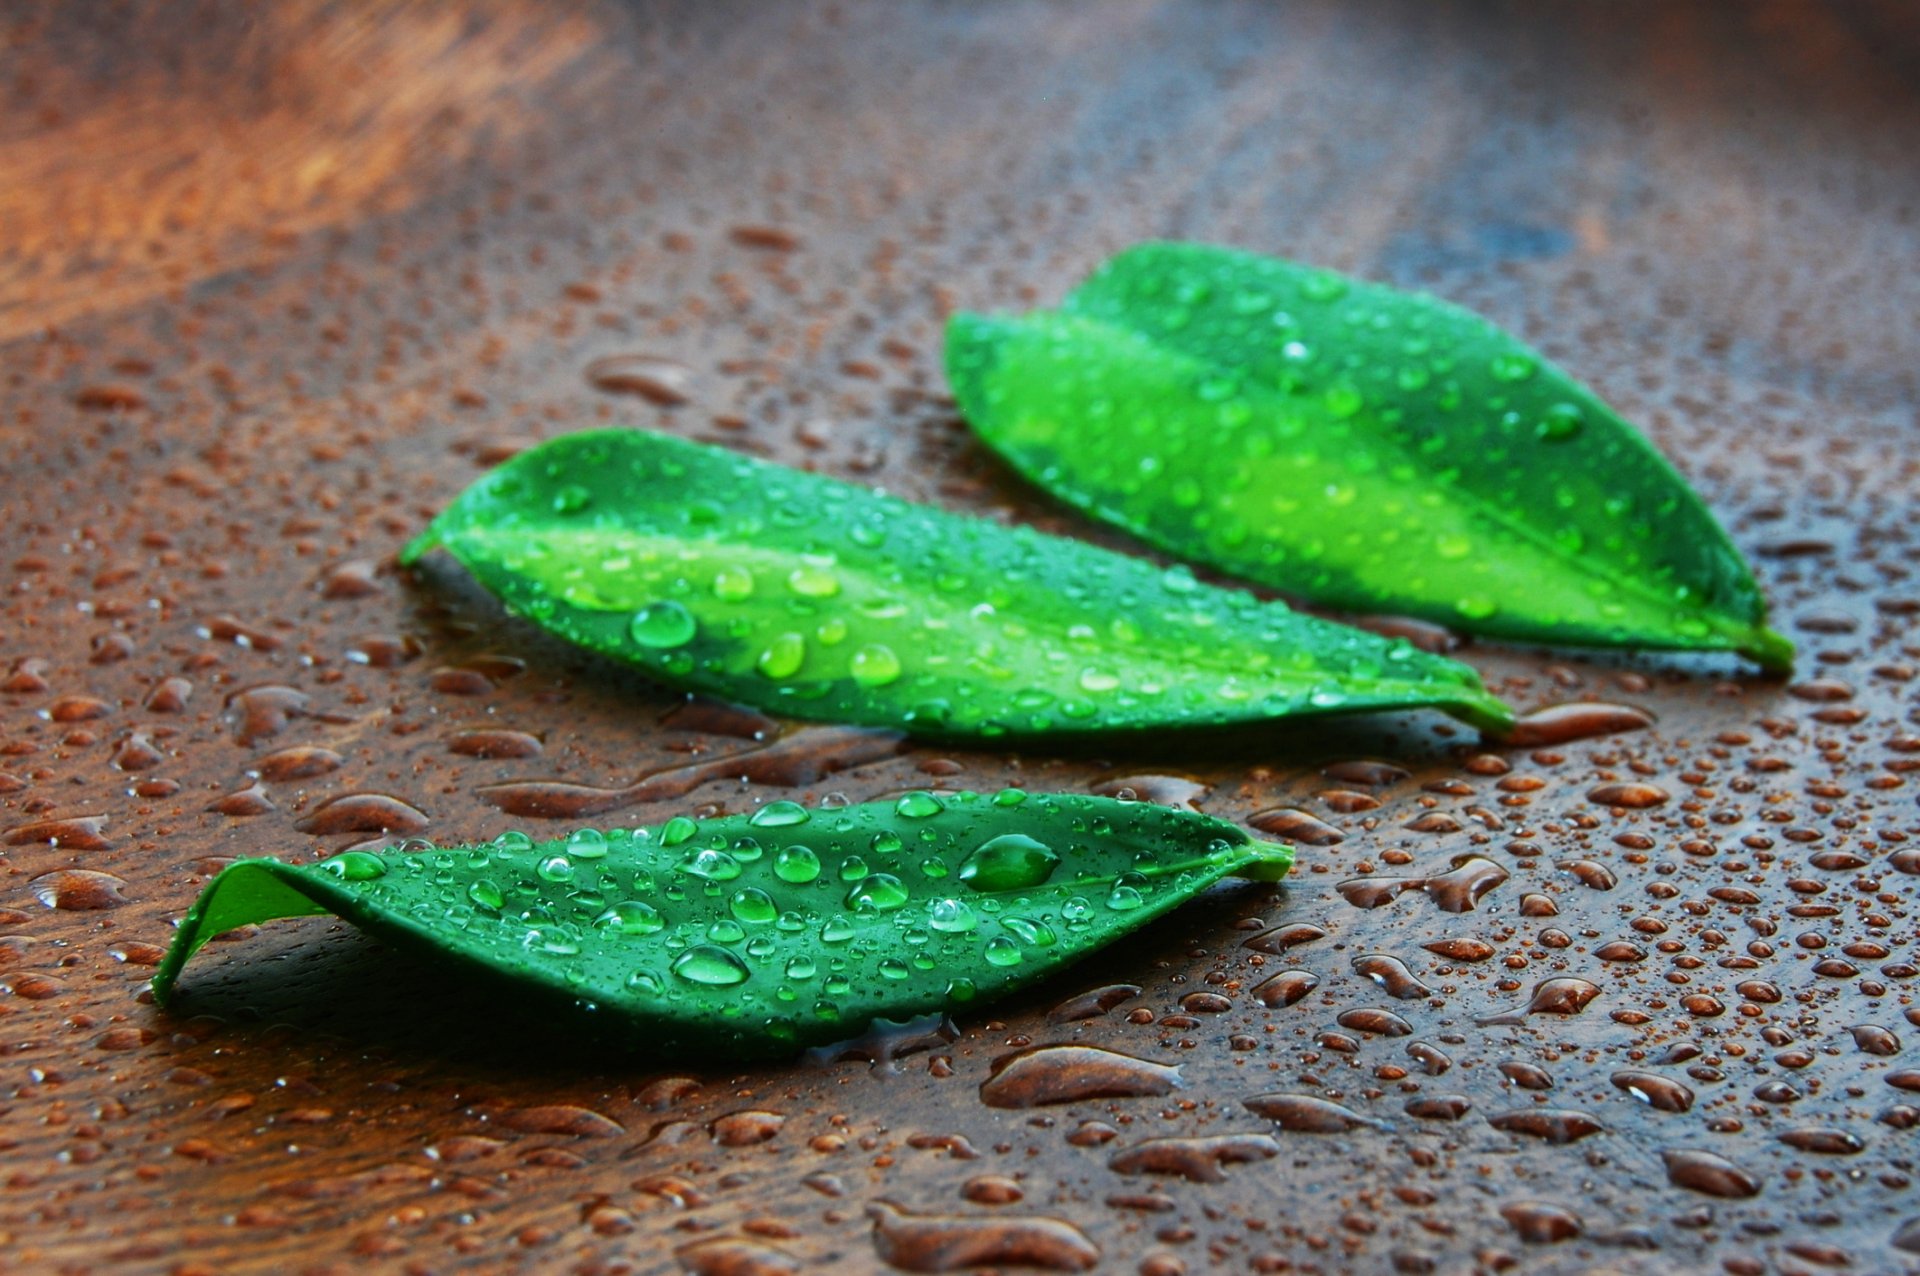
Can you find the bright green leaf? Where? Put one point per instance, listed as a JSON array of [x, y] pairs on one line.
[[1365, 448], [749, 935], [819, 599]]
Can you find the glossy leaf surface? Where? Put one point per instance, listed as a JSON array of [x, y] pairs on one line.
[[763, 933], [1366, 448], [820, 599]]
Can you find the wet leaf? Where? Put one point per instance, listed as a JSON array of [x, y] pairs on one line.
[[762, 934], [1363, 447], [816, 598]]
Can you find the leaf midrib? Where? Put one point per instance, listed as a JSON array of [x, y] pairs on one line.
[[1389, 689]]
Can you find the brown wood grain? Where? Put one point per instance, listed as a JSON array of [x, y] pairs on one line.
[[277, 281]]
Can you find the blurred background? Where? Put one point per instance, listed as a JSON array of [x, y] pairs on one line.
[[277, 281]]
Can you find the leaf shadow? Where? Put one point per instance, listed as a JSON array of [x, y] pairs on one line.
[[307, 988]]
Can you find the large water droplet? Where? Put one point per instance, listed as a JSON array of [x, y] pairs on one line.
[[587, 844], [796, 864], [715, 866], [919, 805], [732, 584], [663, 625], [813, 582], [711, 965], [783, 657], [356, 866], [881, 892], [780, 815], [951, 916], [753, 906], [1010, 862], [631, 917], [875, 665], [1002, 951]]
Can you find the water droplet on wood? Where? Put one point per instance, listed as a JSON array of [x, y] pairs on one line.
[[1068, 1074], [945, 1243]]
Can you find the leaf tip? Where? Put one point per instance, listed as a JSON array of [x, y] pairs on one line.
[[414, 550], [1270, 862], [1485, 712], [1771, 650]]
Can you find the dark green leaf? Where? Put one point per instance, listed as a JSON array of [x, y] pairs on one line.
[[764, 933], [824, 600], [1363, 447]]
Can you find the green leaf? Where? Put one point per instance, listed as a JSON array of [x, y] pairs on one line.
[[761, 934], [819, 599], [1366, 448]]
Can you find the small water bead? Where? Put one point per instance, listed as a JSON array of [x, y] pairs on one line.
[[559, 940], [726, 931], [1343, 400], [486, 895], [663, 626], [780, 815], [733, 583], [791, 920], [952, 916], [853, 868], [587, 844], [645, 981], [1098, 681], [796, 865], [918, 805], [555, 868], [1001, 951], [711, 864], [1321, 286], [571, 499], [1035, 933], [933, 866], [512, 841], [880, 892], [874, 665], [1512, 367], [1124, 898], [1009, 797], [631, 917], [810, 581], [753, 906], [885, 842], [710, 965], [801, 967], [356, 866], [1561, 422], [783, 657], [836, 930], [1012, 861], [747, 850], [893, 968], [677, 830]]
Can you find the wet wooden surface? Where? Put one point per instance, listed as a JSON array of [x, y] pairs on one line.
[[276, 282]]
